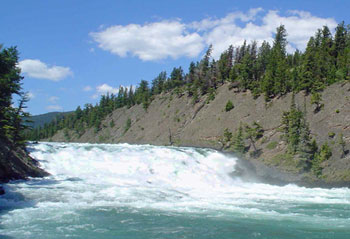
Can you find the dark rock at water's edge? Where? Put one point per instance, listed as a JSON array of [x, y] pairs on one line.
[[2, 190], [15, 163]]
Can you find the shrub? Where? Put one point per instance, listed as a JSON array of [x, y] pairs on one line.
[[211, 96], [127, 125], [324, 154], [229, 106], [272, 145], [227, 135], [66, 134], [331, 134], [264, 140], [316, 99]]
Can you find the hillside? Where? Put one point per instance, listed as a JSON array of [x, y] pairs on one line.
[[42, 119], [175, 120]]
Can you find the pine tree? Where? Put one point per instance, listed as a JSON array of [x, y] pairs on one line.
[[276, 78], [11, 119], [9, 84], [253, 133], [225, 64], [238, 141], [18, 122]]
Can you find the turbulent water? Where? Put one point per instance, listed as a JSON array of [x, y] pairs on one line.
[[130, 191]]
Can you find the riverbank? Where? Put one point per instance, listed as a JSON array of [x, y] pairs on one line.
[[173, 119], [15, 163]]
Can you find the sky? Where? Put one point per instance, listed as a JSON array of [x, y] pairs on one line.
[[73, 51]]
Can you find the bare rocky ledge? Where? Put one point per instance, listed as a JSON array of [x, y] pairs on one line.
[[15, 164]]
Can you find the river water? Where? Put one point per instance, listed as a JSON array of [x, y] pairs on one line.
[[142, 191]]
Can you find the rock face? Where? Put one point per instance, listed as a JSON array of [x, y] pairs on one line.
[[17, 164], [176, 120]]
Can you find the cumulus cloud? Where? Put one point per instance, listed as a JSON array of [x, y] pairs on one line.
[[300, 25], [261, 26], [151, 41], [54, 107], [174, 39], [54, 99], [105, 88], [37, 69]]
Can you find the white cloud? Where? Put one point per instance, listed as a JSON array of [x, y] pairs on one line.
[[87, 88], [37, 69], [54, 99], [54, 107], [300, 25], [226, 31], [209, 23], [105, 88], [163, 39], [30, 95], [151, 41]]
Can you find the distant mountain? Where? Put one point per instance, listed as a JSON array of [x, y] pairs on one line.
[[41, 120]]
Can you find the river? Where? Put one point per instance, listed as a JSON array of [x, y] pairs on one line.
[[142, 191]]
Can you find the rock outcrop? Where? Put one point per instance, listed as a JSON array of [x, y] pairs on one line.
[[15, 163]]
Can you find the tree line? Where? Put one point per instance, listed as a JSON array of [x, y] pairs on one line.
[[268, 70]]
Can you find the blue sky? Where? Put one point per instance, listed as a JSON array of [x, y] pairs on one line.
[[72, 51]]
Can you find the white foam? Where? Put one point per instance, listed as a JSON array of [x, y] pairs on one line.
[[171, 179]]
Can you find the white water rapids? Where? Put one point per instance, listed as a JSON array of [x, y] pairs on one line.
[[166, 180]]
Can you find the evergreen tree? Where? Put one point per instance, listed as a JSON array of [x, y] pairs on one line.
[[253, 133], [11, 118], [238, 141], [9, 85], [276, 78], [225, 64], [297, 133]]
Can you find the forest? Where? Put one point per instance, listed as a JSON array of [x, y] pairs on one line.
[[265, 70]]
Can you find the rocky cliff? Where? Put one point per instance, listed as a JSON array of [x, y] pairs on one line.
[[175, 120], [15, 163]]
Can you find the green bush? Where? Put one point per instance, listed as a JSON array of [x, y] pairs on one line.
[[331, 134], [127, 125], [211, 96], [229, 106], [324, 154], [272, 145], [227, 135]]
